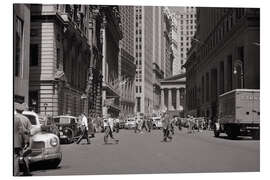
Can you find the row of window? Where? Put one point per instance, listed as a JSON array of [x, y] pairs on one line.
[[188, 27], [188, 21], [138, 89], [188, 15]]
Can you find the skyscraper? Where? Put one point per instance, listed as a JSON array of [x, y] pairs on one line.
[[153, 55], [186, 27], [144, 55], [127, 67]]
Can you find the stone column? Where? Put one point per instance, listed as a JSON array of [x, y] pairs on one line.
[[170, 99], [162, 99], [177, 99]]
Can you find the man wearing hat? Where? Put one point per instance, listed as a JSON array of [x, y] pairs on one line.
[[22, 132]]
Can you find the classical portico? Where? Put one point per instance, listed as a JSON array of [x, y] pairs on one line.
[[173, 93]]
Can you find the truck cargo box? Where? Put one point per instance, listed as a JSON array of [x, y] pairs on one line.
[[240, 106]]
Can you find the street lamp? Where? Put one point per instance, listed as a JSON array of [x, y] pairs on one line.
[[45, 107], [239, 75]]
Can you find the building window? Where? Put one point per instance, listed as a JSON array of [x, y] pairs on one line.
[[19, 40], [34, 100], [57, 58], [136, 88], [140, 87], [34, 51]]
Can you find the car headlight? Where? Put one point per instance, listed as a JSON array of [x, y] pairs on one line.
[[54, 141]]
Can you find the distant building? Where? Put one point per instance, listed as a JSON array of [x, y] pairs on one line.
[[21, 46], [153, 55], [127, 67], [60, 58], [186, 28], [225, 55], [173, 96]]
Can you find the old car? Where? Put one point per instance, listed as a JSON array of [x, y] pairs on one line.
[[69, 128], [48, 125], [45, 146], [130, 123], [156, 121]]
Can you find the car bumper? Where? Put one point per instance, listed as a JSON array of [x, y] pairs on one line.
[[45, 157]]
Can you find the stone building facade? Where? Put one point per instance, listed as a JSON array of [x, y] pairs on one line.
[[60, 58], [224, 56], [21, 46]]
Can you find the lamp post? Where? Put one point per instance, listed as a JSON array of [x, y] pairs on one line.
[[45, 107], [239, 75]]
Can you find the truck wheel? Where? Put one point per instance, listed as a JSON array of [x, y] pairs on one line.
[[233, 132], [256, 135], [216, 133]]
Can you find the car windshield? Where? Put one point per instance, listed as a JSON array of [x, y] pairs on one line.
[[31, 118], [130, 120], [62, 120], [157, 119]]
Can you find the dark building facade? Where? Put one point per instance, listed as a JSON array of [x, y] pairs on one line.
[[225, 55], [111, 34], [21, 45]]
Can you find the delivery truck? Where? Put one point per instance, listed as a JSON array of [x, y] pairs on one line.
[[239, 113]]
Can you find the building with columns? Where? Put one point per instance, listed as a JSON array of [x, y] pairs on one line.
[[173, 97], [111, 35], [224, 56]]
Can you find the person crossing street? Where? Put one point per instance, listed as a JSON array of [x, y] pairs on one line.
[[85, 130], [166, 127], [108, 126]]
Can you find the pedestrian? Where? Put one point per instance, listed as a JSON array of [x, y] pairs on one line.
[[144, 125], [108, 126], [137, 124], [22, 140], [166, 127], [117, 125], [84, 130]]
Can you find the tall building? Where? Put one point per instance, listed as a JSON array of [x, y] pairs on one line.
[[60, 57], [94, 87], [111, 35], [153, 55], [186, 27], [143, 58], [127, 67], [21, 46], [225, 55], [162, 51]]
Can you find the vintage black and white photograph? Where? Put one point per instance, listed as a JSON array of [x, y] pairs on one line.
[[121, 89]]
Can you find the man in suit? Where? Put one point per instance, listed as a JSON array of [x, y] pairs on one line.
[[22, 132]]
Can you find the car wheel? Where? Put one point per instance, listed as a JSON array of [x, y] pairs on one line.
[[54, 163]]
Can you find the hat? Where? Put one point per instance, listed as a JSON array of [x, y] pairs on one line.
[[20, 107]]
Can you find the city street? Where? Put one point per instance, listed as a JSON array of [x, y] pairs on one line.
[[145, 153]]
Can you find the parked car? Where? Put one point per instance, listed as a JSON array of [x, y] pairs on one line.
[[156, 122], [121, 123], [45, 146], [130, 123], [48, 125], [68, 127]]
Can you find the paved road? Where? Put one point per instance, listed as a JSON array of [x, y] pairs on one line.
[[145, 153]]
